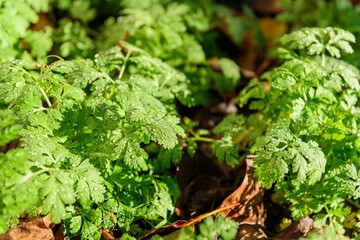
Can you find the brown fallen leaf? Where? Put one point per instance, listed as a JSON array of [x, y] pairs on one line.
[[33, 229], [190, 168], [296, 230], [106, 235], [355, 2], [207, 189], [251, 210], [248, 231]]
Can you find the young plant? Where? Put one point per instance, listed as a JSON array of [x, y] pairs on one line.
[[176, 33], [311, 150], [225, 147], [322, 13], [16, 35], [84, 126], [209, 229]]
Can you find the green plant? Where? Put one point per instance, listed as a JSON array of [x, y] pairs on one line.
[[310, 151], [85, 126], [223, 229], [225, 148], [16, 35], [97, 136], [174, 32], [209, 229], [321, 13]]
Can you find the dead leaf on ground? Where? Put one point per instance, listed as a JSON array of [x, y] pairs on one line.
[[58, 232], [190, 168], [251, 210], [248, 231], [106, 235], [296, 230], [34, 229], [355, 2]]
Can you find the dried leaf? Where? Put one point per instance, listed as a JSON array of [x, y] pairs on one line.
[[106, 236], [296, 230], [251, 210], [32, 230], [248, 231], [250, 195]]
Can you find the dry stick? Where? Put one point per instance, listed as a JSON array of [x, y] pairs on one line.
[[201, 217]]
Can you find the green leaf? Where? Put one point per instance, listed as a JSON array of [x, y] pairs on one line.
[[56, 193], [225, 229], [231, 75], [168, 156], [318, 40], [226, 150], [75, 224], [279, 149], [8, 129], [89, 184], [320, 220], [230, 125], [18, 191]]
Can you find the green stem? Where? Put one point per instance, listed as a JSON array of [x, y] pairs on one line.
[[124, 64], [203, 139], [330, 218], [323, 59], [42, 90], [45, 96], [28, 176], [165, 81]]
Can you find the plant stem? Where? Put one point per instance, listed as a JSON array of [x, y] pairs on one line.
[[42, 90], [28, 176], [203, 139], [45, 96], [330, 218], [323, 59], [124, 64]]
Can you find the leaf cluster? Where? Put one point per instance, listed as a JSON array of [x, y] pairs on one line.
[[98, 134], [209, 229], [16, 35], [312, 13], [173, 31], [176, 33], [84, 127], [225, 147], [310, 148]]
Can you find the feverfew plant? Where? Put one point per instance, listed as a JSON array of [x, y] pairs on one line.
[[310, 151], [84, 126], [15, 33], [176, 33]]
